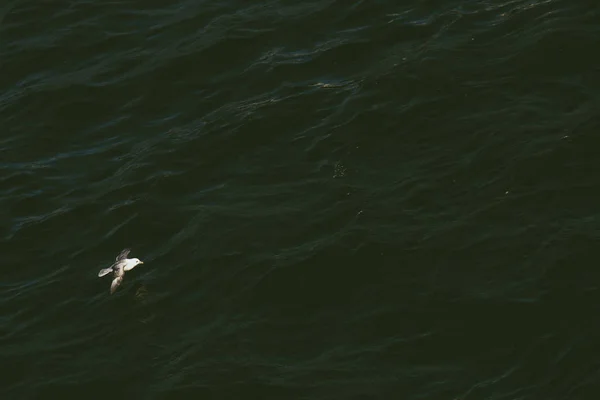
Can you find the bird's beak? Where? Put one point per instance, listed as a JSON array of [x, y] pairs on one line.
[[141, 262]]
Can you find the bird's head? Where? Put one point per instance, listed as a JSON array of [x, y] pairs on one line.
[[132, 263]]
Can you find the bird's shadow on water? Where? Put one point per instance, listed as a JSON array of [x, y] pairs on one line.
[[139, 302], [128, 294]]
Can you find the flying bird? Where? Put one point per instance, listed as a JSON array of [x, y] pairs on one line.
[[118, 269]]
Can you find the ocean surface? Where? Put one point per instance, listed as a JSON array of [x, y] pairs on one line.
[[333, 199]]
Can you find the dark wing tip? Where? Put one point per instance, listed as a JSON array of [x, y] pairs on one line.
[[123, 254]]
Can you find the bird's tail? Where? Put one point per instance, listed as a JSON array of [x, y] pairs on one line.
[[104, 271]]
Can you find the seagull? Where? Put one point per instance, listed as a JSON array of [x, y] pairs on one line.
[[121, 265]]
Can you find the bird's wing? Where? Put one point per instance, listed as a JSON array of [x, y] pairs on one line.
[[115, 284], [123, 255], [105, 271]]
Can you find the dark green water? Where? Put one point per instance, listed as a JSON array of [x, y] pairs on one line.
[[333, 199]]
